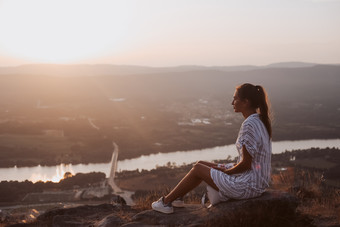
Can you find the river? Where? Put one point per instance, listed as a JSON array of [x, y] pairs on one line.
[[148, 162]]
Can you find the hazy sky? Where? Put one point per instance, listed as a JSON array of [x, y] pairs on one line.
[[169, 32]]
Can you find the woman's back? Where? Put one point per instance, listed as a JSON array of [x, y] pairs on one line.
[[254, 136]]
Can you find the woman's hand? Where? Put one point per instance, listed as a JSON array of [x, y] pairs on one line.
[[219, 168], [242, 166]]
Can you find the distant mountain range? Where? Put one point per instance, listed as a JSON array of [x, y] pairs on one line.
[[106, 69], [289, 82]]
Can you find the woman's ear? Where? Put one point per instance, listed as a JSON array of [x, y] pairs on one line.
[[247, 102]]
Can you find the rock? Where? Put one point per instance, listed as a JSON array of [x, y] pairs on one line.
[[273, 208], [111, 220], [96, 215], [67, 220], [139, 224], [191, 215]]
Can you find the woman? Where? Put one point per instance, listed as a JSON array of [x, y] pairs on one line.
[[250, 176]]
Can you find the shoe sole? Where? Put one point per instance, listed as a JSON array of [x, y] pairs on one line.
[[162, 211]]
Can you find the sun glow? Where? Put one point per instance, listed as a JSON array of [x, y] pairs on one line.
[[168, 32], [59, 174], [62, 31]]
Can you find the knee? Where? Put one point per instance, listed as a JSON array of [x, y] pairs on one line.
[[196, 166], [198, 162], [197, 169]]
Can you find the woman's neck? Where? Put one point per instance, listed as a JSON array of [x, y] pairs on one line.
[[247, 113]]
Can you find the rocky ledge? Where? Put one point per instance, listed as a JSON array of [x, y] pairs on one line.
[[273, 208]]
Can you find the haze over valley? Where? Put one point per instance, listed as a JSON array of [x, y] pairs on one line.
[[51, 114]]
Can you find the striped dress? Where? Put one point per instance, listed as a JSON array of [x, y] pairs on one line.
[[251, 183]]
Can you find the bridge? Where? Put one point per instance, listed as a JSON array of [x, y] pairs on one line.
[[126, 195]]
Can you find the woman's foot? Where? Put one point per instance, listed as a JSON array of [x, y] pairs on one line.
[[161, 207]]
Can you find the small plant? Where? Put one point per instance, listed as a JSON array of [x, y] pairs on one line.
[[143, 199], [317, 200]]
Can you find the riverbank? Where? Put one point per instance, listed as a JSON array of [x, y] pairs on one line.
[[149, 162], [325, 161]]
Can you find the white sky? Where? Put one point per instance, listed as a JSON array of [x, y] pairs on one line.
[[169, 32]]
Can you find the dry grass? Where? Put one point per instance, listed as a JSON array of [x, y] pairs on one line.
[[143, 199], [317, 200]]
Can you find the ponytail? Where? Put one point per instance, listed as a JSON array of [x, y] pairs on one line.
[[258, 99], [263, 106]]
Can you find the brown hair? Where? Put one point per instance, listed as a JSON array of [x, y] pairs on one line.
[[258, 99]]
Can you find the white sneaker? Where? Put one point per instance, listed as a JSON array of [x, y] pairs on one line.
[[161, 207], [203, 200], [179, 202]]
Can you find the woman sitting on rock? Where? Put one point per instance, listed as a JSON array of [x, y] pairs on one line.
[[251, 175]]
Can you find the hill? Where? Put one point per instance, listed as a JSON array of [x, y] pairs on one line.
[[106, 69]]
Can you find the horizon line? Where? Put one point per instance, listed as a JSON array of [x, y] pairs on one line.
[[169, 66]]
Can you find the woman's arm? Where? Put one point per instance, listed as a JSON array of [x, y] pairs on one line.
[[210, 164], [242, 166]]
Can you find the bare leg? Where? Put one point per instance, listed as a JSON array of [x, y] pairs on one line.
[[196, 175], [210, 164]]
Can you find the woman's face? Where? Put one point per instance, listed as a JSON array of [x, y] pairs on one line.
[[238, 104]]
